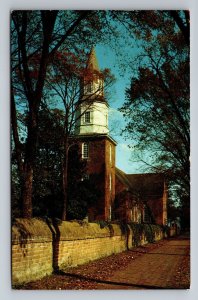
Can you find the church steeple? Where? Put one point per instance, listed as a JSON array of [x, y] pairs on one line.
[[95, 144], [93, 108], [92, 62], [93, 80]]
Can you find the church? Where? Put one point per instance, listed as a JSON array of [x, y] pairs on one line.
[[140, 198]]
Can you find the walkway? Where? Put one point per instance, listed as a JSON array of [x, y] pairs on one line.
[[158, 268]]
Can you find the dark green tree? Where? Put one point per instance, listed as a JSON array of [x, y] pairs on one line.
[[47, 185], [82, 191], [158, 102]]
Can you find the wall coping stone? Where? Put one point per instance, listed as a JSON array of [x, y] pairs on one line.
[[37, 230]]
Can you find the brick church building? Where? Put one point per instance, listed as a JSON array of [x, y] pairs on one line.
[[129, 197]]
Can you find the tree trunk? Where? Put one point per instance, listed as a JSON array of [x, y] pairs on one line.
[[65, 179], [27, 191], [34, 100], [30, 154]]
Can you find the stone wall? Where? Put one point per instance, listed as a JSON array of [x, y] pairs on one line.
[[39, 247]]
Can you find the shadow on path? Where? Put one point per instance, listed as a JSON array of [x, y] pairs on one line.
[[178, 245], [159, 253], [107, 282]]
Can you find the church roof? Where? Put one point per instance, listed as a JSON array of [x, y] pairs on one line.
[[92, 62], [123, 178], [146, 185]]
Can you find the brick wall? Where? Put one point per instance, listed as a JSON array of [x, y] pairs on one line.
[[156, 207], [31, 250], [39, 247]]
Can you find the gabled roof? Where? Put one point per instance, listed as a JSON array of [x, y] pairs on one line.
[[122, 177], [145, 185]]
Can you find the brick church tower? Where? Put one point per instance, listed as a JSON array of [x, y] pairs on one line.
[[97, 147]]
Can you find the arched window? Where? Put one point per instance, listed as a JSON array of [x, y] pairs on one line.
[[85, 150]]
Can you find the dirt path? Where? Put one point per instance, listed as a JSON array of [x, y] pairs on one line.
[[162, 265]]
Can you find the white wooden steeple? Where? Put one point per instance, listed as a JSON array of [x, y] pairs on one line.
[[92, 114]]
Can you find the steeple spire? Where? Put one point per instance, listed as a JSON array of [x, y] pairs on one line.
[[92, 63]]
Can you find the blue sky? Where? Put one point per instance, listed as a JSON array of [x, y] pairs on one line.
[[120, 68]]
